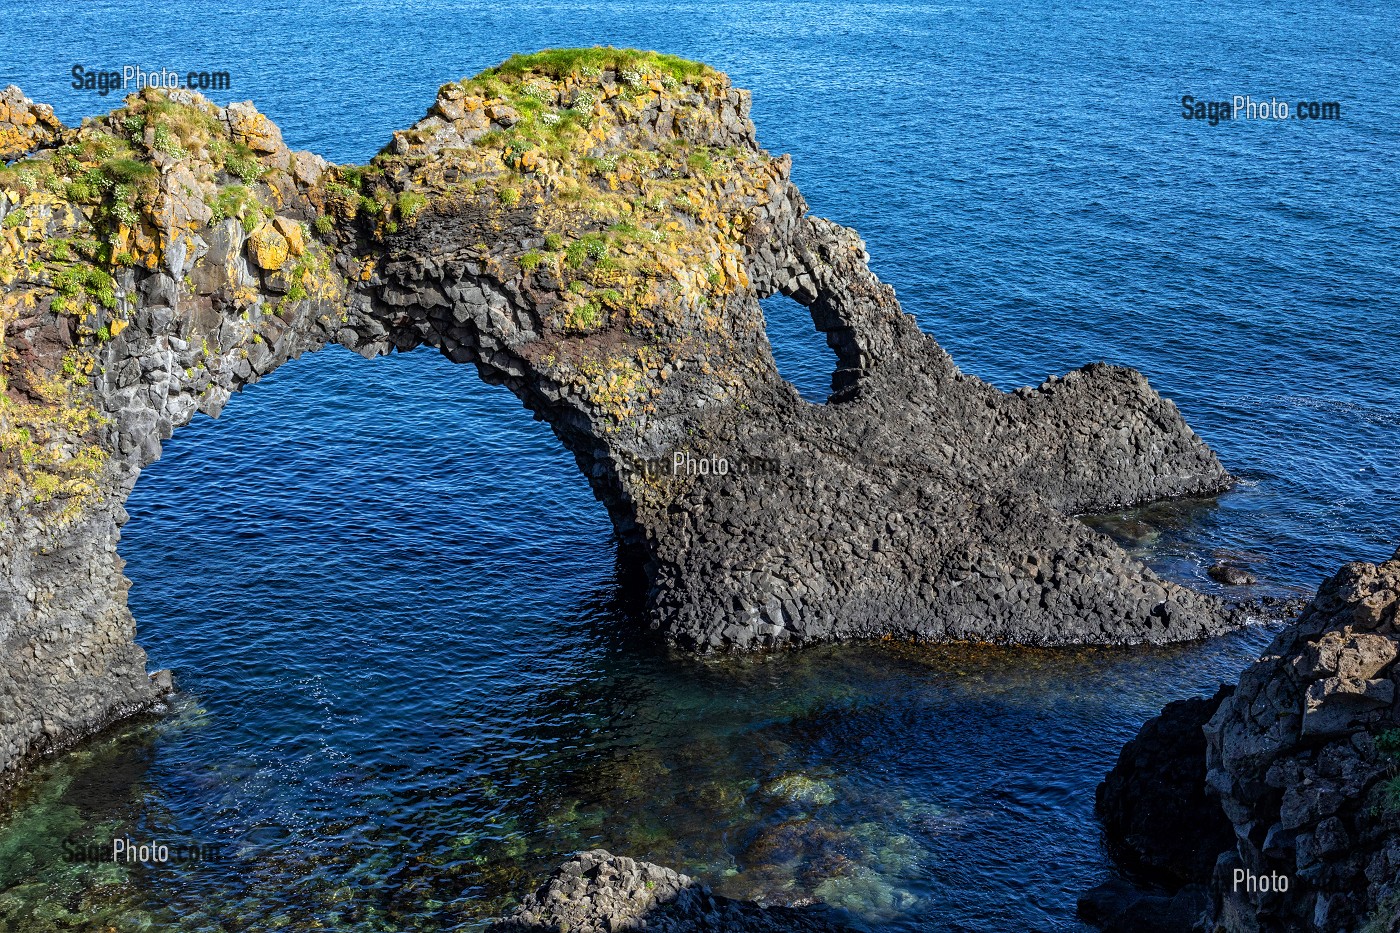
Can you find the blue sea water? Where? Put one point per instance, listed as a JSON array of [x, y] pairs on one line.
[[408, 685]]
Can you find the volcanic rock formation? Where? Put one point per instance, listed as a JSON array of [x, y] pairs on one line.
[[592, 229], [1301, 760]]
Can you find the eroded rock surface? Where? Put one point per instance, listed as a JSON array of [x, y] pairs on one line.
[[24, 125], [593, 230], [1303, 760], [597, 892]]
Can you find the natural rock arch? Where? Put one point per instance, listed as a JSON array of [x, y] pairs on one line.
[[593, 230], [800, 350]]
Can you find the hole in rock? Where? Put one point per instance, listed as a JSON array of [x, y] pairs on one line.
[[366, 526], [800, 350], [383, 587]]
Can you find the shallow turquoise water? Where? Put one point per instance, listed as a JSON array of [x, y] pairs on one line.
[[408, 683]]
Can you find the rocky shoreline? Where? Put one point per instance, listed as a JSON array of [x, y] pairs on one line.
[[1275, 804], [592, 229]]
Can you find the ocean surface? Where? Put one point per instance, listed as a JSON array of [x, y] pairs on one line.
[[408, 681]]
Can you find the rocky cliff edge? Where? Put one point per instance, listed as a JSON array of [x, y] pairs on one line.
[[1283, 797]]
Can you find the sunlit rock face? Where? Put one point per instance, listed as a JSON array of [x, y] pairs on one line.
[[1297, 763], [592, 229], [1304, 759]]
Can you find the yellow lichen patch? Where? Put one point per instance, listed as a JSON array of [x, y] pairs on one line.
[[49, 462], [13, 142], [292, 232], [267, 247], [253, 129], [311, 277], [614, 385], [23, 124]]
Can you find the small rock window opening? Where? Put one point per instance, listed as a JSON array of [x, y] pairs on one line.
[[800, 350]]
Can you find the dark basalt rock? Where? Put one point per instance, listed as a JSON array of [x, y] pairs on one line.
[[597, 892], [1303, 759], [1156, 814], [610, 278], [1230, 575], [1123, 907]]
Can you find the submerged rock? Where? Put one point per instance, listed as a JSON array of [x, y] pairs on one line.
[[1303, 759], [592, 229], [598, 892], [1230, 575], [801, 788]]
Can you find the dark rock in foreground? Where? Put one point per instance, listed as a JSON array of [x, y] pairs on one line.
[[1303, 759], [1156, 813], [597, 892], [1123, 907]]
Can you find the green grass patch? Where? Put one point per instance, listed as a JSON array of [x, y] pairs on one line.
[[700, 163], [238, 202], [1388, 791], [584, 317], [594, 247], [1386, 914], [128, 171], [237, 159], [561, 63], [1390, 794], [189, 123], [167, 142], [79, 281], [409, 204]]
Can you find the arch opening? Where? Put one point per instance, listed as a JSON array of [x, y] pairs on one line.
[[385, 491], [801, 352]]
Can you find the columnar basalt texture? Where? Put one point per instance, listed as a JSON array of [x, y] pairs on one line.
[[1305, 757], [592, 229], [1302, 759], [598, 892]]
